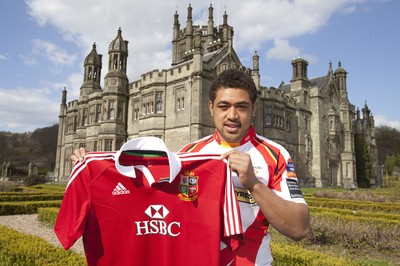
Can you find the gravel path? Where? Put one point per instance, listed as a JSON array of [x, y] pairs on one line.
[[29, 224]]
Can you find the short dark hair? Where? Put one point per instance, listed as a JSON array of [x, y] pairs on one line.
[[233, 78]]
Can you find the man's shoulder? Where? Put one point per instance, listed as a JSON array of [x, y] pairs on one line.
[[197, 145]]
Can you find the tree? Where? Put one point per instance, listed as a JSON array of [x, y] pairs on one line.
[[44, 144], [387, 142]]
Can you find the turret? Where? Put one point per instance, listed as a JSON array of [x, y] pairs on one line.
[[341, 76], [117, 56], [92, 73], [210, 25], [300, 78], [189, 29], [256, 70], [116, 79]]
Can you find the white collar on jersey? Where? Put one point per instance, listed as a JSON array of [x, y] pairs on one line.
[[147, 144]]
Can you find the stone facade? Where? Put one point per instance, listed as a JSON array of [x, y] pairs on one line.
[[312, 118]]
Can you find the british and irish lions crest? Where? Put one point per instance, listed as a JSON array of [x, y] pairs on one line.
[[189, 186]]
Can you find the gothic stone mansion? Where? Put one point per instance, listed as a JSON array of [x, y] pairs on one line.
[[312, 118]]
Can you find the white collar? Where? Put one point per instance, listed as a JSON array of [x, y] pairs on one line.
[[147, 144]]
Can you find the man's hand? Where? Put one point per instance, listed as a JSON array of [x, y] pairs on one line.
[[289, 218], [240, 162], [78, 154]]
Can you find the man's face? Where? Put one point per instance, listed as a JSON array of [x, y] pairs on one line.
[[232, 111]]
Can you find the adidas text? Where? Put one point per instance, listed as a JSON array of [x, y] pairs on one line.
[[120, 190]]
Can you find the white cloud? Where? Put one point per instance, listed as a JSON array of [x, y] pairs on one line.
[[283, 50], [145, 25], [3, 57], [26, 109], [51, 52], [383, 120], [42, 49], [29, 60], [262, 21]]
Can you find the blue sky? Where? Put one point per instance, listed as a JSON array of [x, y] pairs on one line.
[[44, 43]]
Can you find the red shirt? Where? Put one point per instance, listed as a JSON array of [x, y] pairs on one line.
[[158, 209]]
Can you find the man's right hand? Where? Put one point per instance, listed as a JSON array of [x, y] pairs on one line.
[[78, 154]]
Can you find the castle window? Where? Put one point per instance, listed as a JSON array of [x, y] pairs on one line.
[[115, 62], [268, 117], [305, 99], [90, 73], [71, 124], [136, 110], [91, 114], [85, 117], [111, 109], [159, 102], [75, 122], [180, 99], [119, 144], [181, 51], [120, 111], [148, 108], [306, 123], [108, 145], [148, 104], [98, 112]]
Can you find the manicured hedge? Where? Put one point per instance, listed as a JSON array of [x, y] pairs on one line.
[[30, 197], [26, 250], [295, 255], [378, 217], [355, 205], [26, 207], [354, 233], [48, 215]]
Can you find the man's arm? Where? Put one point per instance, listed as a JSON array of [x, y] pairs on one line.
[[289, 218]]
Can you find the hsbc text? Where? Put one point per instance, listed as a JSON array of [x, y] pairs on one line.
[[157, 227]]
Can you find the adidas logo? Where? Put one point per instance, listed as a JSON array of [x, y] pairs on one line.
[[120, 190]]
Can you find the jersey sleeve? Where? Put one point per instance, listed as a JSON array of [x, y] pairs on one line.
[[285, 182], [74, 209]]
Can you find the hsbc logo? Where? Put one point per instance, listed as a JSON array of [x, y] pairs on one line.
[[157, 226], [156, 211]]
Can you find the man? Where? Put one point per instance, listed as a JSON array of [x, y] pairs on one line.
[[264, 180]]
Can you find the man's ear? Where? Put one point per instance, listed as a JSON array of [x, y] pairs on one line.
[[254, 109], [210, 106]]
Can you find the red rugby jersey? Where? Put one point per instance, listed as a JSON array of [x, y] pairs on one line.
[[274, 167], [158, 209]]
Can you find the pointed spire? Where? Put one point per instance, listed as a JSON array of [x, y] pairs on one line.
[[64, 97], [225, 18], [189, 16], [176, 19], [256, 59], [210, 13], [330, 71]]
